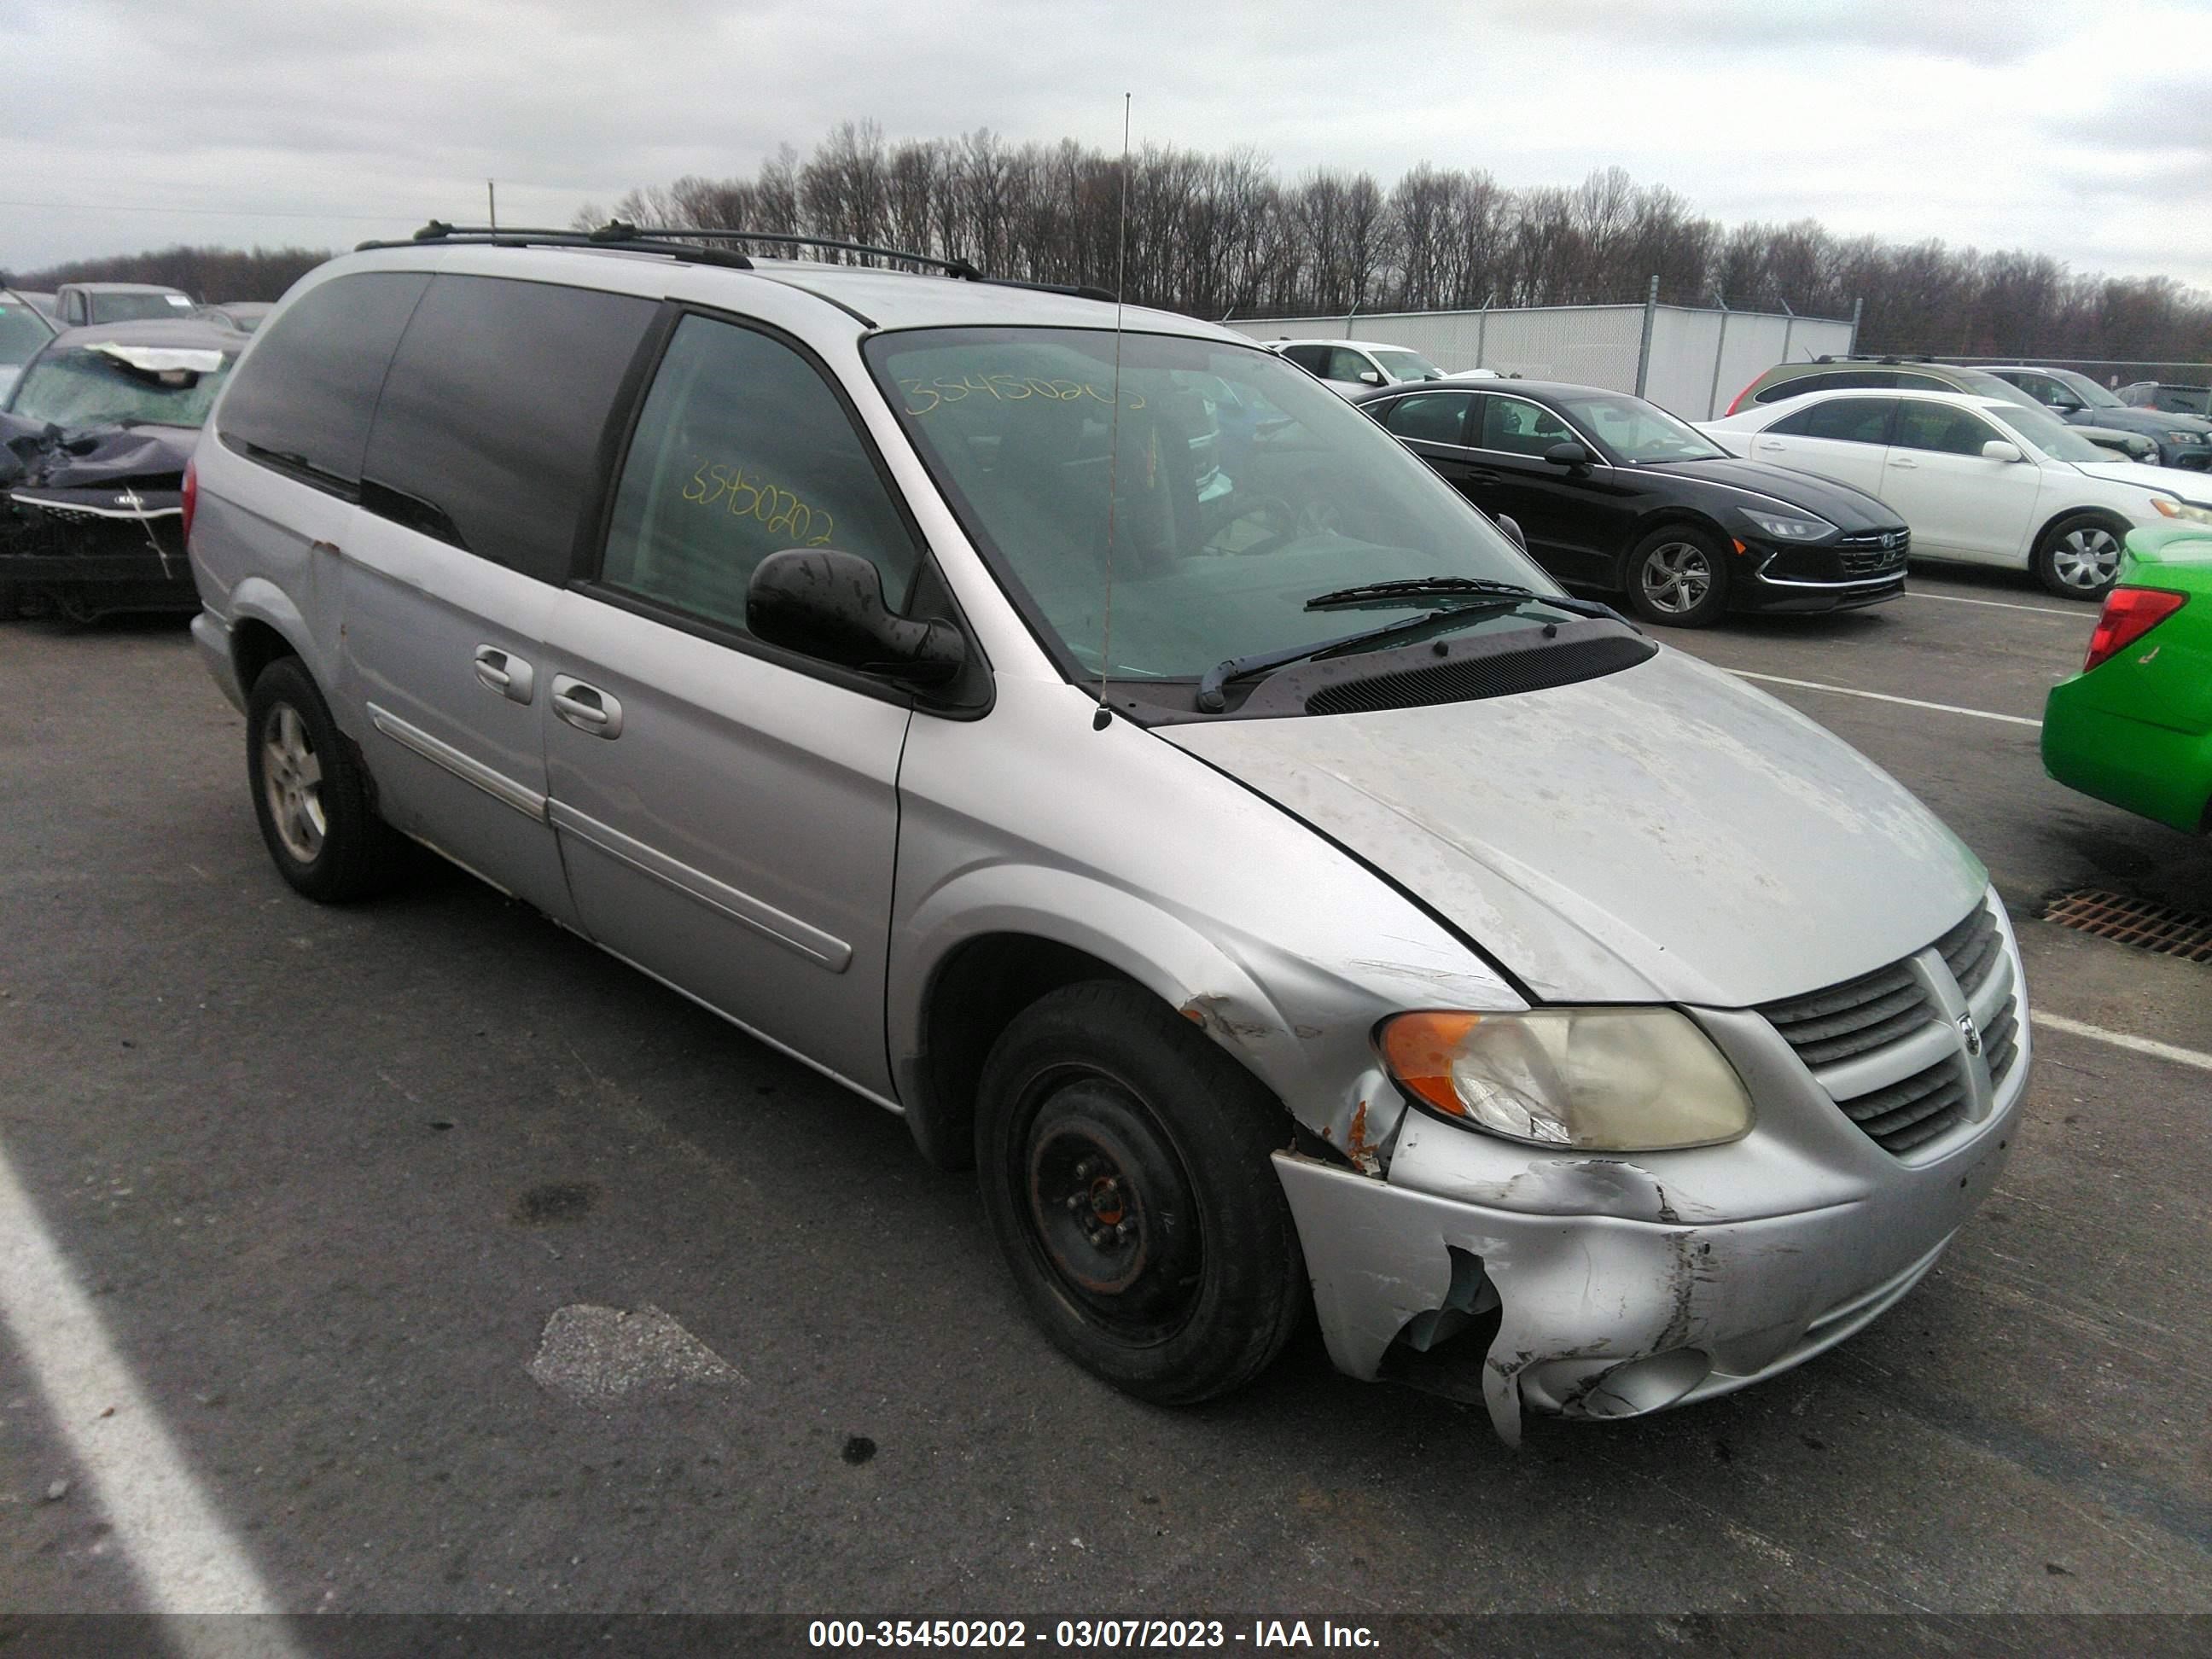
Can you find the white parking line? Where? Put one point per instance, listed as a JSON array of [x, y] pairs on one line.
[[1884, 696], [183, 1554], [2122, 1040], [2002, 605]]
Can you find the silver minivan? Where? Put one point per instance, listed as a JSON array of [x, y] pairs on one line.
[[1084, 733]]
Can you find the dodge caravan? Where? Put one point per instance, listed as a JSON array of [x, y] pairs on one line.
[[1084, 733]]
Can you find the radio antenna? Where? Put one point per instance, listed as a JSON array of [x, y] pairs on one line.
[[1105, 717]]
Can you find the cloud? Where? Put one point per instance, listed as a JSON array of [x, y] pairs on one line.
[[277, 120]]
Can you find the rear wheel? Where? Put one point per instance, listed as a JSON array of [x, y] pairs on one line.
[[1125, 1168], [1676, 577], [310, 793], [2079, 556]]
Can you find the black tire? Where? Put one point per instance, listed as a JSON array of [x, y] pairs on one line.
[[310, 793], [1677, 577], [1101, 1116], [2078, 557]]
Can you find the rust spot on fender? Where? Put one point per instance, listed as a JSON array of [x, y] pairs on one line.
[[1357, 1146]]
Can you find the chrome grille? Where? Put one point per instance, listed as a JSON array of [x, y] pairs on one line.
[[1865, 556], [1888, 1046]]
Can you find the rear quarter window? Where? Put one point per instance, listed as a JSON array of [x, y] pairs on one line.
[[488, 432], [303, 398]]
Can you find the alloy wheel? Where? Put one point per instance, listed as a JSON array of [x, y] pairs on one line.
[[292, 782], [1676, 577]]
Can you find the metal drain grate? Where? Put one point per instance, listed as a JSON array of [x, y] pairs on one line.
[[2159, 927]]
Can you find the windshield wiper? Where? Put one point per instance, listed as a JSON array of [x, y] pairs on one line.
[[1415, 588], [1236, 668], [1408, 589]]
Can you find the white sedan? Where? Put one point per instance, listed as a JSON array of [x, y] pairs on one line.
[[1977, 479]]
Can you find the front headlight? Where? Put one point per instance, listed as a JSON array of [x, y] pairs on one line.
[[2189, 510], [2183, 437], [1790, 527], [1601, 1079]]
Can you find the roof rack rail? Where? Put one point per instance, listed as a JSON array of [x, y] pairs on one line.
[[620, 234], [520, 236], [1873, 357]]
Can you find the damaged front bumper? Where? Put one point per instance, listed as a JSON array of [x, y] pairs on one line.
[[89, 552], [1606, 1285]]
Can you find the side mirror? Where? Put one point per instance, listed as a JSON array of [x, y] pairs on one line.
[[1998, 450], [828, 605], [1506, 522], [1567, 453], [1371, 377]]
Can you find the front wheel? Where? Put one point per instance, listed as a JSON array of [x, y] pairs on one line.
[[1676, 578], [2079, 556], [1125, 1168]]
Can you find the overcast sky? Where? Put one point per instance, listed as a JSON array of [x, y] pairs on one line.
[[2077, 128]]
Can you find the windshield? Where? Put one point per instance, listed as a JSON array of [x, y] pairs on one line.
[[22, 331], [1245, 487], [1635, 431], [81, 386], [137, 308], [1408, 365], [2052, 435]]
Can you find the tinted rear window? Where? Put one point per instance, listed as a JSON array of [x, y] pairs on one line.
[[487, 433], [306, 395]]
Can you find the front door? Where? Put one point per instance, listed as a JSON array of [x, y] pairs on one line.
[[1576, 519], [1960, 503], [728, 812]]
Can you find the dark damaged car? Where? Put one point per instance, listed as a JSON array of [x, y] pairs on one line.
[[94, 441]]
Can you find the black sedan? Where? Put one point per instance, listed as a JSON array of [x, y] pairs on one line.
[[1615, 494]]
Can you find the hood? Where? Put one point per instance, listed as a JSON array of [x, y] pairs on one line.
[[2165, 480], [1849, 510], [1662, 834], [33, 455]]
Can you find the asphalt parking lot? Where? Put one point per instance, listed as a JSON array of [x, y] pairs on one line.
[[353, 1193]]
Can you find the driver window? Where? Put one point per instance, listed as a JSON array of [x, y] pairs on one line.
[[742, 451], [1519, 427]]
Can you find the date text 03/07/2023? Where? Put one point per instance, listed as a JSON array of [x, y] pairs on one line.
[[1089, 1635]]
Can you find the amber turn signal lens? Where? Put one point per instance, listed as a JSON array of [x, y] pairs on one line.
[[1418, 1048]]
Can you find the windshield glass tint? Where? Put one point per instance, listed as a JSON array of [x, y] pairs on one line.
[[1244, 488], [1637, 431], [2052, 435], [1408, 365], [83, 388]]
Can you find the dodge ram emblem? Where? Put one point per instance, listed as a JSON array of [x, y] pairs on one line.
[[1972, 1036]]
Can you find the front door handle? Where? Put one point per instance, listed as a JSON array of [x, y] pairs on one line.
[[509, 676], [1774, 444], [586, 707], [1480, 475], [1903, 460]]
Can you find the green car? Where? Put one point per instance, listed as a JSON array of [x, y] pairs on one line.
[[2135, 726]]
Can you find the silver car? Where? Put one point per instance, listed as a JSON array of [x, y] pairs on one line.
[[1084, 733]]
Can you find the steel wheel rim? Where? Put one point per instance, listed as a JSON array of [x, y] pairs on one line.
[[292, 783], [1086, 1171], [2086, 558], [1676, 577]]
